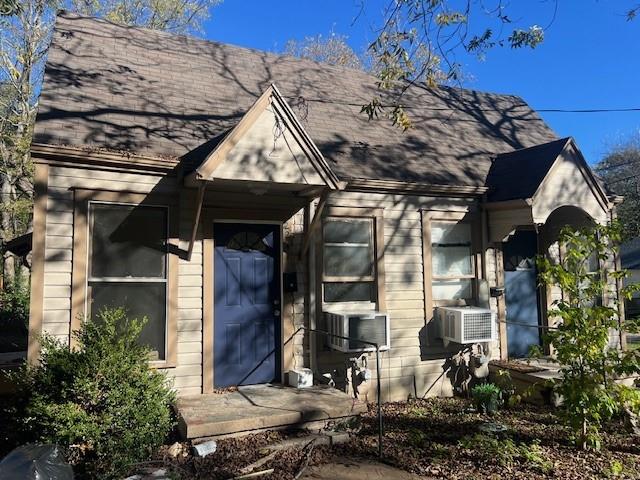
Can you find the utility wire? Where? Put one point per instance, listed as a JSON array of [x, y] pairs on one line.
[[446, 109]]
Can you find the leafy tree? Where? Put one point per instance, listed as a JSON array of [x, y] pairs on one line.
[[332, 50], [25, 35], [8, 7], [590, 366], [619, 170], [26, 27], [421, 41], [178, 16]]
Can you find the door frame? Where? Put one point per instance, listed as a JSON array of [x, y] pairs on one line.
[[540, 293], [210, 217]]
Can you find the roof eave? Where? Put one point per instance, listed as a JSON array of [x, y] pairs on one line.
[[413, 188]]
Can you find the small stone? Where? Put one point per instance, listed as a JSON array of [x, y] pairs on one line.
[[177, 450], [336, 438]]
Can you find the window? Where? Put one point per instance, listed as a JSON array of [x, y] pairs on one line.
[[452, 261], [128, 266], [349, 260]]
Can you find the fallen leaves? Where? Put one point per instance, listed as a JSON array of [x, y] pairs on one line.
[[435, 438]]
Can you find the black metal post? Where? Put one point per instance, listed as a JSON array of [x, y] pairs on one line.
[[379, 403], [379, 386]]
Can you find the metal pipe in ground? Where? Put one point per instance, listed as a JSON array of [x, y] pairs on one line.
[[379, 386], [379, 402]]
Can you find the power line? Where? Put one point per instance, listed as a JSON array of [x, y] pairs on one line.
[[586, 110], [447, 109]]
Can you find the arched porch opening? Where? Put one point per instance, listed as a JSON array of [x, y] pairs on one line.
[[527, 302]]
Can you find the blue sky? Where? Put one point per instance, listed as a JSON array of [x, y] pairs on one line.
[[590, 57]]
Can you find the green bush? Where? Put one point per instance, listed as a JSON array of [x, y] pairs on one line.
[[14, 315], [100, 401], [506, 453], [590, 366], [486, 397]]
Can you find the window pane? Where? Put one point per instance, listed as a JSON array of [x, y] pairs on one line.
[[451, 261], [451, 233], [451, 289], [348, 261], [140, 300], [348, 230], [349, 292], [127, 241], [593, 263]]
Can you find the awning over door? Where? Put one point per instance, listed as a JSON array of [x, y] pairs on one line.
[[527, 185], [267, 152], [268, 145]]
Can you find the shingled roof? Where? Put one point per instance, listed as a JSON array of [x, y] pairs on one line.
[[531, 165], [158, 94]]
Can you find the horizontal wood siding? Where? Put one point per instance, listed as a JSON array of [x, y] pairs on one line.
[[56, 319], [415, 365]]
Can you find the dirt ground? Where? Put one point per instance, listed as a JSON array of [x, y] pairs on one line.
[[439, 438], [350, 469]]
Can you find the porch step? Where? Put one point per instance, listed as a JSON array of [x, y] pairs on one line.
[[262, 407]]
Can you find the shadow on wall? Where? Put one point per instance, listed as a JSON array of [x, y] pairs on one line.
[[124, 90]]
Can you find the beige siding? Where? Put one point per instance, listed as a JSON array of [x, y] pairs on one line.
[[567, 184], [261, 155], [294, 317], [415, 364], [187, 375]]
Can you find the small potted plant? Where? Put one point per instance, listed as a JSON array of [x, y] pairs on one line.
[[486, 398]]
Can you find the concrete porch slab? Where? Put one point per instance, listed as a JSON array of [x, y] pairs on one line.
[[262, 407]]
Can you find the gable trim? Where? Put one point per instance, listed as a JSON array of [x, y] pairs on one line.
[[270, 97], [572, 149]]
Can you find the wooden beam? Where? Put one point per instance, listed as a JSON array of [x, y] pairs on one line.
[[196, 221], [36, 302], [315, 222]]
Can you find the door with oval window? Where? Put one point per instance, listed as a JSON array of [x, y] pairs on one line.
[[521, 293], [247, 307]]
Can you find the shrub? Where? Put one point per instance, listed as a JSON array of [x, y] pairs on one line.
[[417, 438], [486, 397], [100, 401], [14, 315], [505, 452], [589, 365]]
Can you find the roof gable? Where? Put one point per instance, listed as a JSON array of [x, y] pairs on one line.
[[268, 144], [570, 181]]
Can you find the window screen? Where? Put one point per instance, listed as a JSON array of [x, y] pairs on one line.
[[452, 261], [349, 266], [128, 266]]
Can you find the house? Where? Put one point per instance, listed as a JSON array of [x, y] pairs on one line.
[[233, 196]]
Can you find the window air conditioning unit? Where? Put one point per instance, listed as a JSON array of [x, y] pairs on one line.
[[467, 324], [368, 326]]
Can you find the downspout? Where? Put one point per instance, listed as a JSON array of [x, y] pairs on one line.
[[484, 218]]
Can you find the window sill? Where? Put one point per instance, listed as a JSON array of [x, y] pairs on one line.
[[161, 364]]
